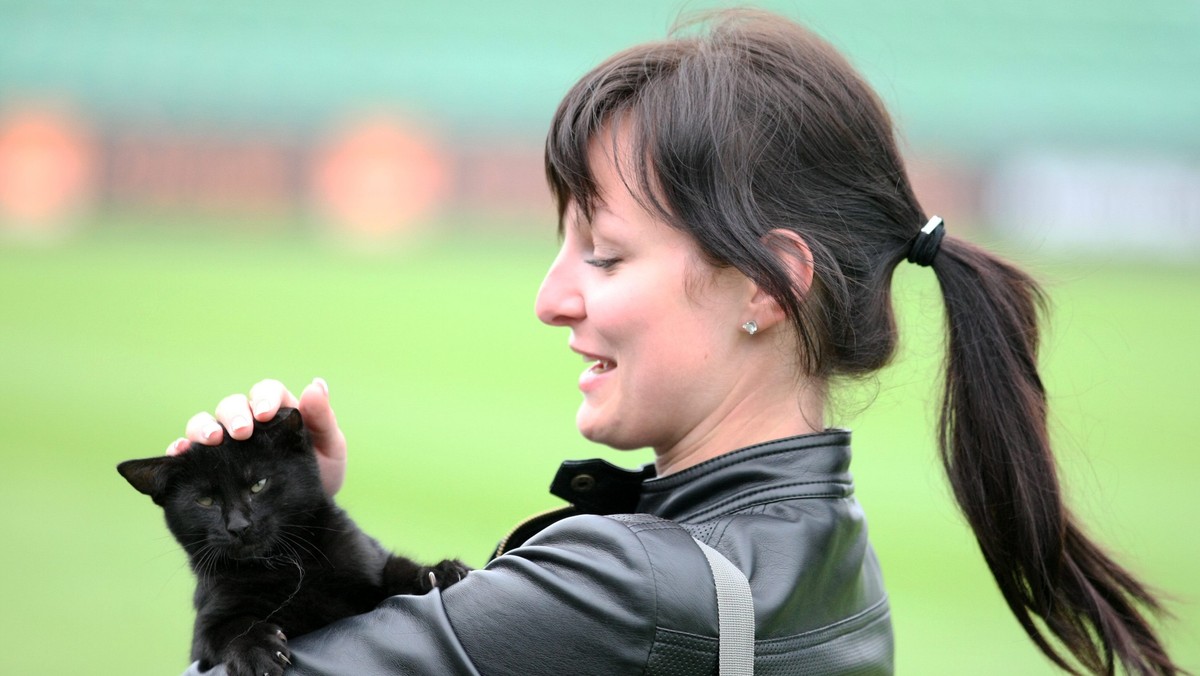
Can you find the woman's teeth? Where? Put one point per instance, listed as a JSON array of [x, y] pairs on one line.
[[601, 366]]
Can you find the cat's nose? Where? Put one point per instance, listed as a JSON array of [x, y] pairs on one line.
[[236, 523]]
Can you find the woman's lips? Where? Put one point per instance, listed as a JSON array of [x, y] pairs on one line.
[[595, 373], [602, 366]]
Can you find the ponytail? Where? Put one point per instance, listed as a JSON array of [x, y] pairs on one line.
[[995, 447]]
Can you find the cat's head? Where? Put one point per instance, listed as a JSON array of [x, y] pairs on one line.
[[239, 499]]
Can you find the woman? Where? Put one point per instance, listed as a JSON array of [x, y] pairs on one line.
[[732, 206]]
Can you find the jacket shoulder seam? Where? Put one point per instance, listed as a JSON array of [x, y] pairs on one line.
[[634, 528]]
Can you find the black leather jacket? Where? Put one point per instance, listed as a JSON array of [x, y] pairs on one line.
[[577, 592]]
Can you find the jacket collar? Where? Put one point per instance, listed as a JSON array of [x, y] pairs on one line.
[[807, 465]]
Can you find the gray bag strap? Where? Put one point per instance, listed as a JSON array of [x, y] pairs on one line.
[[735, 615]]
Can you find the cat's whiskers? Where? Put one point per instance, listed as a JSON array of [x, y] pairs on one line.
[[319, 552], [214, 556], [200, 560], [209, 556], [288, 544], [291, 555], [201, 537], [177, 544], [309, 526], [300, 541], [332, 530]]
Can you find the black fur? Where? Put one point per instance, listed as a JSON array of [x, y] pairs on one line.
[[279, 558]]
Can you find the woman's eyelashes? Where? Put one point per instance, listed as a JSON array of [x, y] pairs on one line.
[[602, 263]]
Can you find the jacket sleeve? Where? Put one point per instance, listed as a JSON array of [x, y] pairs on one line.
[[577, 598]]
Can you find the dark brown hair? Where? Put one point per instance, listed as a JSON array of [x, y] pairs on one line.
[[757, 124]]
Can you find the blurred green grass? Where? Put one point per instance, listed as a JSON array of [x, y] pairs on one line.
[[459, 405]]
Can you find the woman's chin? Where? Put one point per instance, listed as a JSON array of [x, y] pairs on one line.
[[601, 430], [588, 425]]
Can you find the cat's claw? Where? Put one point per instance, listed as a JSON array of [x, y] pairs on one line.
[[260, 651], [445, 574]]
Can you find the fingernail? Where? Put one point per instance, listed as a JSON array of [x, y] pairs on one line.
[[259, 406], [320, 382], [176, 447], [238, 424], [210, 431]]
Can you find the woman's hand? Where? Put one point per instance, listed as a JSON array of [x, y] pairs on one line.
[[238, 411]]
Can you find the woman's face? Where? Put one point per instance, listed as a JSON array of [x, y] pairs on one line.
[[658, 328]]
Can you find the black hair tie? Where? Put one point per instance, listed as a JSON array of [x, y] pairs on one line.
[[926, 244]]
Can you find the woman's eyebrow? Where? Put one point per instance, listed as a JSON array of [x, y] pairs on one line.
[[601, 208], [604, 224]]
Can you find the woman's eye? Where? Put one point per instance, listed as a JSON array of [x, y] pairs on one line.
[[204, 501], [602, 263], [258, 486]]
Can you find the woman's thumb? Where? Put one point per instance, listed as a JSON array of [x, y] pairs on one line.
[[328, 440]]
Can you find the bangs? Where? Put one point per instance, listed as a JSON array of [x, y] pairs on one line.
[[692, 122], [626, 93]]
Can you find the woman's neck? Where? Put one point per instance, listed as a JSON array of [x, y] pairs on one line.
[[744, 422]]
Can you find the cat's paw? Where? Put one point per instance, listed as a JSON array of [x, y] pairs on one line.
[[441, 575], [262, 651]]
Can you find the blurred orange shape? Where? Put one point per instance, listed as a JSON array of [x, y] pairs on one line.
[[380, 177], [45, 168]]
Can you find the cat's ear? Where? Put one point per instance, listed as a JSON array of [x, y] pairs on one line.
[[289, 419], [148, 475], [286, 431]]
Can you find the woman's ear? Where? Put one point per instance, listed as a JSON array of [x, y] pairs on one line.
[[793, 253]]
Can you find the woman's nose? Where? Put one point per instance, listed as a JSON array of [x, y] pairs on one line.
[[559, 302]]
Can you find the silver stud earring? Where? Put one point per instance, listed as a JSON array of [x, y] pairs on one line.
[[750, 327]]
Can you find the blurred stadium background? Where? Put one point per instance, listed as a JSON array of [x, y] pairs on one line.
[[196, 195]]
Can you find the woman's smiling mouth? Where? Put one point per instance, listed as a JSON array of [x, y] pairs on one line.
[[602, 366], [597, 368]]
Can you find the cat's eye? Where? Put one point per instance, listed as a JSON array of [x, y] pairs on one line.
[[204, 501], [258, 486]]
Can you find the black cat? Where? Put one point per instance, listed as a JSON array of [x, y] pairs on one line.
[[271, 552]]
